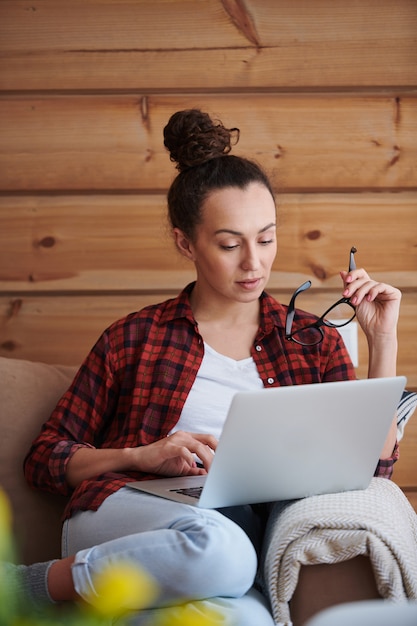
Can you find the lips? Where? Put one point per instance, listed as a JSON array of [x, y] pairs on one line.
[[249, 284]]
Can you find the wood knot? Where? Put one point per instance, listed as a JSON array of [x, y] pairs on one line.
[[46, 242], [319, 271], [279, 153], [144, 111], [313, 235], [9, 345], [396, 151], [14, 308], [242, 19]]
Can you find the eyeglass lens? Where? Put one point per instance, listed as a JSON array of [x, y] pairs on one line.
[[309, 336], [339, 315]]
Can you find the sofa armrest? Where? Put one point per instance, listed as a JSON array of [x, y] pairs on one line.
[[29, 392], [378, 523]]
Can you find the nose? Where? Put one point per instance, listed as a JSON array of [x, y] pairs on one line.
[[250, 258]]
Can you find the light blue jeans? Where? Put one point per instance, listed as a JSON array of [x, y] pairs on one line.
[[195, 555]]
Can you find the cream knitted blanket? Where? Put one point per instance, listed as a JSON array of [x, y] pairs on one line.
[[378, 522]]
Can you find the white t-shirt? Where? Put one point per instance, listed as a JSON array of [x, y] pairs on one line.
[[218, 379]]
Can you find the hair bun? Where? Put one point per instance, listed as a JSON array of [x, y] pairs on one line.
[[192, 138]]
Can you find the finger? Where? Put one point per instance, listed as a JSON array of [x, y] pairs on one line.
[[359, 293], [199, 444], [174, 448], [206, 456], [383, 293], [373, 291], [355, 281], [351, 280], [182, 452], [192, 439], [208, 440], [205, 448], [187, 446], [197, 471], [354, 275]]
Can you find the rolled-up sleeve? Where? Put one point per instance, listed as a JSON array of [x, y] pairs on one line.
[[385, 467], [74, 423], [58, 461]]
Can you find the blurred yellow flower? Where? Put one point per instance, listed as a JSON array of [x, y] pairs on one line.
[[191, 614], [122, 587], [5, 513], [6, 542]]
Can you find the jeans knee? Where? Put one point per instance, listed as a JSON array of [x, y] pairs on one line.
[[221, 556], [201, 554]]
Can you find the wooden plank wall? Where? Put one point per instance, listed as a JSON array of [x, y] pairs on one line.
[[324, 93]]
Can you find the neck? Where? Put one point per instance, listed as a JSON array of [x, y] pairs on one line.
[[228, 312]]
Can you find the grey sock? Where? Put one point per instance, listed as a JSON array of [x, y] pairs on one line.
[[29, 582], [35, 579]]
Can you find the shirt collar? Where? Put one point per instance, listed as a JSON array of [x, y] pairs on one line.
[[179, 307], [272, 313]]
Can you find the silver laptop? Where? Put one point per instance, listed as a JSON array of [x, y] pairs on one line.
[[291, 442]]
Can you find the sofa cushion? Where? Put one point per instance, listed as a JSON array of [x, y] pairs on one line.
[[28, 394]]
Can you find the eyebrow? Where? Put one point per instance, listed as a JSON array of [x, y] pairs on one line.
[[239, 234]]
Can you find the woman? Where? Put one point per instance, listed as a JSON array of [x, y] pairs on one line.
[[151, 397]]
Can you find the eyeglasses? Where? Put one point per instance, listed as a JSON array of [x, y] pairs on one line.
[[342, 311]]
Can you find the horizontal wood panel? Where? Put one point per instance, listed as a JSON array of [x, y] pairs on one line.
[[112, 242], [168, 45], [61, 329], [116, 142]]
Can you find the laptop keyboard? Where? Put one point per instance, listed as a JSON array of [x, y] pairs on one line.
[[193, 492]]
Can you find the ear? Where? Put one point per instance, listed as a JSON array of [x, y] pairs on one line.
[[183, 244]]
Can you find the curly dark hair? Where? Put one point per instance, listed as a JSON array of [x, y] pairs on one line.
[[200, 146]]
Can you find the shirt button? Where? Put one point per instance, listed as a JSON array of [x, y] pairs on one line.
[[258, 348], [270, 381]]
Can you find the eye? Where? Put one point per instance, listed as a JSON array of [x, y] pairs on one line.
[[266, 242], [231, 247]]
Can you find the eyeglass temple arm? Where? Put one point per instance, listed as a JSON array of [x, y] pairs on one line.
[[352, 264], [291, 306]]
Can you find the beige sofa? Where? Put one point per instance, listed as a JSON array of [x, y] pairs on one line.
[[28, 393]]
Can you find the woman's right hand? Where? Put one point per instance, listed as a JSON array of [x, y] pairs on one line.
[[170, 456], [175, 455]]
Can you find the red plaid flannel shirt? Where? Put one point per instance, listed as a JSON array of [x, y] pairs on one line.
[[132, 387]]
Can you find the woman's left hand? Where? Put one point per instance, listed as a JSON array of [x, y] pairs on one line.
[[377, 304]]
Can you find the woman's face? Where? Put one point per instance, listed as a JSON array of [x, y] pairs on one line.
[[235, 244]]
